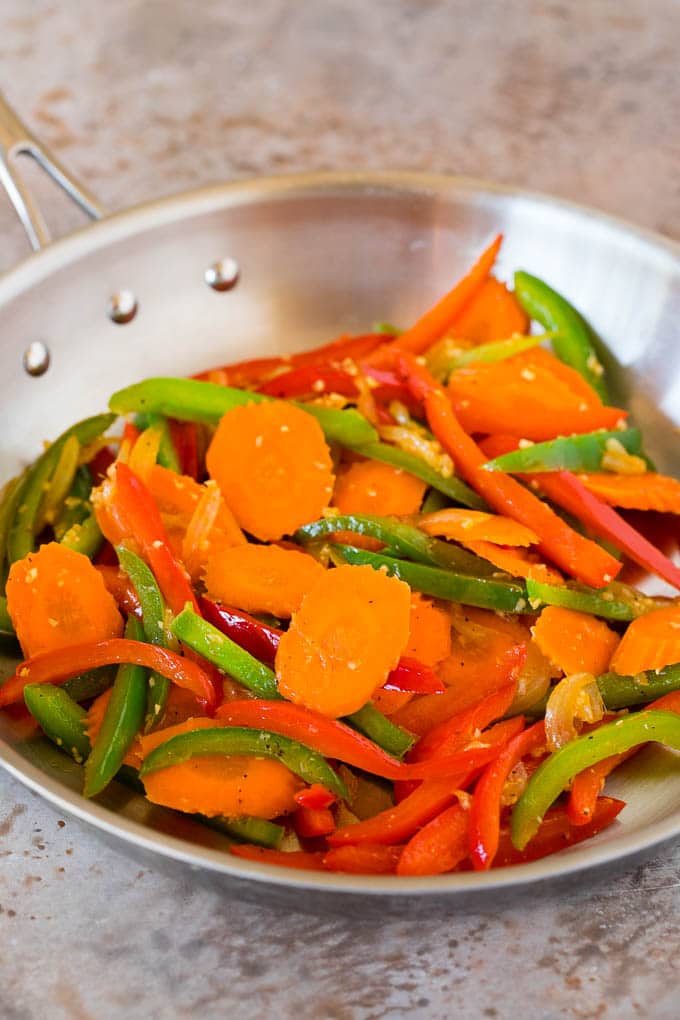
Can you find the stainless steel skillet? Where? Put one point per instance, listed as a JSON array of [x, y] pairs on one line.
[[317, 255]]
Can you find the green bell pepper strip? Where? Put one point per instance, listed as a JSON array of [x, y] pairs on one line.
[[452, 487], [199, 635], [445, 357], [6, 626], [386, 328], [167, 454], [60, 717], [90, 684], [246, 829], [444, 584], [573, 340], [556, 772], [76, 506], [59, 485], [84, 537], [571, 453], [122, 721], [629, 691], [378, 728], [9, 503], [615, 602], [402, 539], [153, 624], [190, 400], [21, 536], [237, 740], [434, 501], [620, 691]]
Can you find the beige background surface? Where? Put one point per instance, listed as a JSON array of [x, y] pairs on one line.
[[145, 98]]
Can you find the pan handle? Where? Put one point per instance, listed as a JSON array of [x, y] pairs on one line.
[[17, 140]]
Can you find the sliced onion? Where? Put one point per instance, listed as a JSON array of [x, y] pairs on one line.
[[534, 680], [575, 699]]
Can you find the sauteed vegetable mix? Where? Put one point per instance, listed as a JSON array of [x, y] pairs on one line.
[[370, 608]]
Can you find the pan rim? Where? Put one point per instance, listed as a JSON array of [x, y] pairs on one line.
[[170, 209], [145, 216]]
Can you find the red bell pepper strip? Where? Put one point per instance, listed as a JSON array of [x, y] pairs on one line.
[[389, 386], [303, 860], [118, 584], [363, 859], [100, 464], [64, 663], [439, 846], [185, 440], [577, 555], [309, 823], [556, 833], [413, 677], [256, 637], [310, 381], [434, 323], [136, 511], [430, 798], [569, 492], [485, 814], [130, 432], [249, 374], [496, 735], [315, 796], [334, 739], [457, 731]]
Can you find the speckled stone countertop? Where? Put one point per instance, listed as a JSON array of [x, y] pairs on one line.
[[146, 97]]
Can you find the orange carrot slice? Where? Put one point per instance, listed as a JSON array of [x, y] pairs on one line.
[[575, 642], [494, 313], [526, 398], [55, 598], [650, 642], [235, 785], [371, 487], [475, 525], [273, 466], [429, 638], [261, 578], [187, 510], [95, 715], [518, 562], [351, 629], [636, 492]]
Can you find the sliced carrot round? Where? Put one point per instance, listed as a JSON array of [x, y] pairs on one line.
[[273, 466], [650, 642], [55, 598], [575, 642], [371, 487], [493, 314], [350, 632], [474, 525], [523, 396], [261, 578], [233, 786], [429, 638]]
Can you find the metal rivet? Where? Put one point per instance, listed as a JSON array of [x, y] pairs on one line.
[[36, 358], [223, 274], [122, 307]]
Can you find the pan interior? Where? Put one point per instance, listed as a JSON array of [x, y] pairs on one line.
[[317, 257]]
